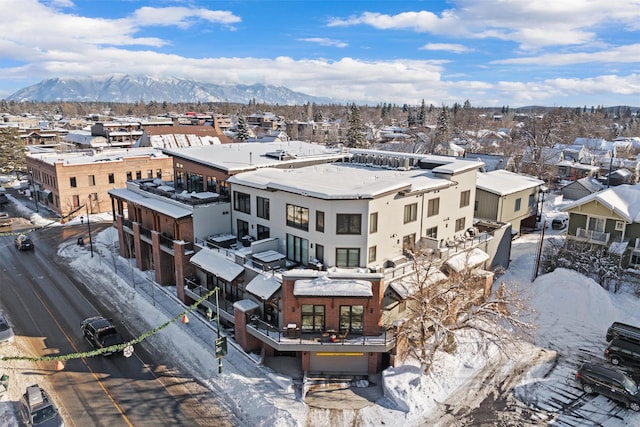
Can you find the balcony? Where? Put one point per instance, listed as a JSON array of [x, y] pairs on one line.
[[291, 339], [591, 236]]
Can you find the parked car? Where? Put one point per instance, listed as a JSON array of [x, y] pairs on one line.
[[559, 223], [610, 383], [6, 332], [24, 243], [622, 352], [37, 409], [5, 219], [624, 331], [101, 334]]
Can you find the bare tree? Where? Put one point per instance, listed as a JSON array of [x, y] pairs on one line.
[[442, 305]]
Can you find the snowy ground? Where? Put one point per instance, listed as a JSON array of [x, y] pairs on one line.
[[572, 315]]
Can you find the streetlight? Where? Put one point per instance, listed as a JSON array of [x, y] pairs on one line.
[[33, 187], [89, 229]]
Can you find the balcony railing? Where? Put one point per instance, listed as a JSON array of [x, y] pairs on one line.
[[289, 338], [592, 236]]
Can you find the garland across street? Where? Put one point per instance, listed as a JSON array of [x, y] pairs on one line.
[[126, 347]]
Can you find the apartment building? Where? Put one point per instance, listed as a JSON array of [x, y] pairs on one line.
[[66, 181], [308, 246]]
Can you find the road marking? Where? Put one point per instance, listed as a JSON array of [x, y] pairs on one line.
[[84, 361]]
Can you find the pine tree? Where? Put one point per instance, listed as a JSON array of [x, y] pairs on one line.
[[356, 131], [442, 130], [422, 114], [243, 129]]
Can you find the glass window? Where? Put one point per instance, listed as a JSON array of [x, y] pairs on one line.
[[320, 221], [298, 217], [138, 174], [72, 181], [459, 224], [348, 223], [263, 232], [92, 180], [243, 228], [347, 257], [410, 212], [432, 232], [212, 184], [596, 224], [112, 179], [262, 207], [320, 253], [373, 222], [351, 318], [532, 200], [465, 198], [159, 173], [433, 207], [518, 203], [372, 253], [129, 176], [312, 317], [409, 242], [297, 249], [242, 202]]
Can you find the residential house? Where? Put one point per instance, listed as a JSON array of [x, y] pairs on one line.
[[581, 188], [610, 216], [508, 197]]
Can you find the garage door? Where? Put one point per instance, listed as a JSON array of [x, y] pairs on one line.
[[345, 363]]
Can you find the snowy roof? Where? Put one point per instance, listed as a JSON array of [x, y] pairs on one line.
[[245, 305], [217, 264], [106, 155], [155, 204], [407, 287], [324, 286], [624, 200], [503, 182], [467, 260], [245, 156], [264, 285], [341, 180]]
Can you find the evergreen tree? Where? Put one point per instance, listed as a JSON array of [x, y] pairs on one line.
[[422, 114], [12, 152], [356, 131], [243, 129], [442, 130]]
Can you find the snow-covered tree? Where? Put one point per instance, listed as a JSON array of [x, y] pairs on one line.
[[243, 129], [356, 131], [12, 152], [442, 305]]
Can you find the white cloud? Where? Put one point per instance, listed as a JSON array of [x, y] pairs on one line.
[[323, 41], [622, 54], [181, 17], [450, 47]]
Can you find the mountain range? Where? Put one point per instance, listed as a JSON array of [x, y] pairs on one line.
[[127, 88]]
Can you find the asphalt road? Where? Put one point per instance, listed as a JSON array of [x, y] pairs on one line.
[[46, 303]]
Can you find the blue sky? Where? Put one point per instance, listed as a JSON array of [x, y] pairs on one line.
[[491, 52]]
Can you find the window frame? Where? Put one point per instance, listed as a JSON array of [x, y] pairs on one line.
[[410, 212], [433, 207], [242, 202], [350, 255], [262, 207], [349, 224], [297, 217], [465, 198], [373, 222]]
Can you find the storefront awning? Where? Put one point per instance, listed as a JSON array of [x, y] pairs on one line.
[[217, 264]]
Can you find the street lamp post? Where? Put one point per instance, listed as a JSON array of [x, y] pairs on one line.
[[33, 188], [89, 229]]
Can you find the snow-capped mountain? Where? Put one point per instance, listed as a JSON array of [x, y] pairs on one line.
[[128, 88]]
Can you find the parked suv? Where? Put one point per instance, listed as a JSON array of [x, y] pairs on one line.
[[622, 352], [624, 331], [37, 409], [101, 334], [610, 383]]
